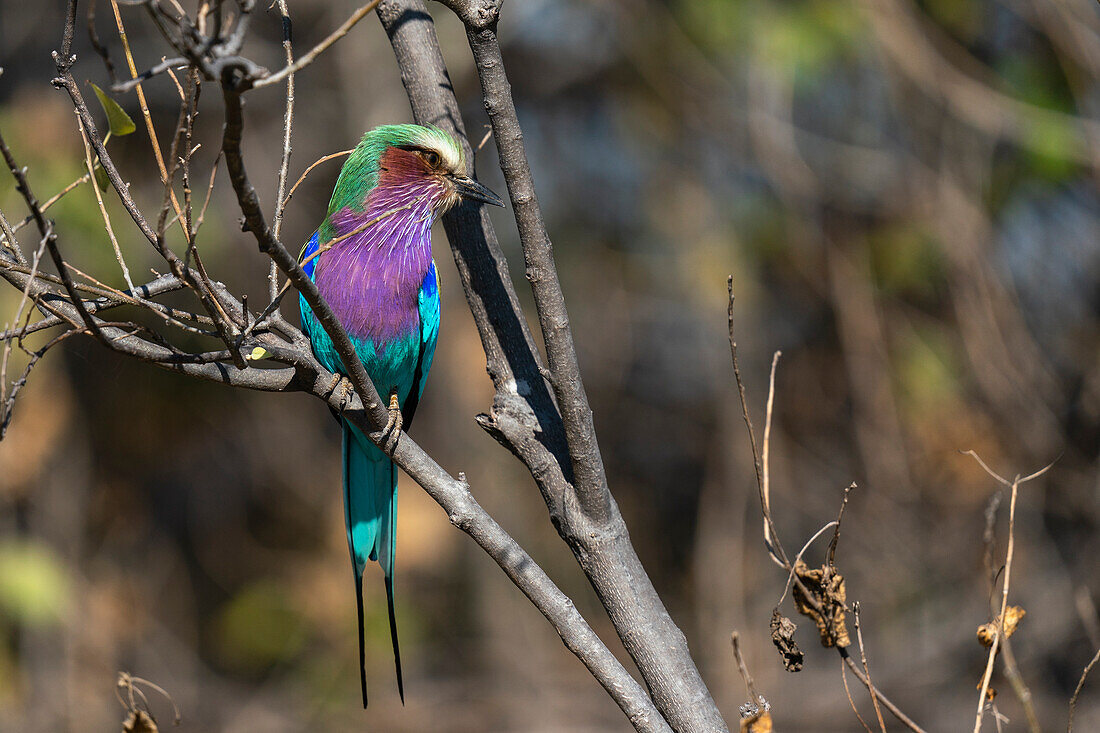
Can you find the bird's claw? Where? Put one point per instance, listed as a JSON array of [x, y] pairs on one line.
[[392, 431], [341, 388]]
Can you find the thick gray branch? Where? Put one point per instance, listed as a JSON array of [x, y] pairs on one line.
[[597, 536], [523, 417]]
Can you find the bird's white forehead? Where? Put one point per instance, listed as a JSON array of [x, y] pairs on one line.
[[432, 138]]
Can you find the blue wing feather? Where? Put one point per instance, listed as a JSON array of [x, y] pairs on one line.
[[428, 306]]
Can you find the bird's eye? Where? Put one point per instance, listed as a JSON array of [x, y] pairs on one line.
[[432, 158]]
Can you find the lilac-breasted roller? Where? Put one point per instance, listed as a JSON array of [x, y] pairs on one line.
[[372, 261]]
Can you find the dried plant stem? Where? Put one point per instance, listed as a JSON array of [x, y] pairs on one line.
[[1015, 485], [307, 171], [790, 575], [1023, 694], [15, 322], [148, 118], [1021, 691], [284, 163], [10, 241], [103, 209], [848, 692], [775, 547], [741, 390], [776, 550], [1077, 690], [750, 687], [758, 460], [867, 669], [886, 703]]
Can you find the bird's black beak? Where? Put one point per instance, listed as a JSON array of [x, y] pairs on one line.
[[471, 190]]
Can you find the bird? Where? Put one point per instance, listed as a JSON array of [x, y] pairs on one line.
[[371, 260]]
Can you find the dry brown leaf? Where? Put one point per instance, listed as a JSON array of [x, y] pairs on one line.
[[1013, 616], [988, 632], [783, 637], [990, 693], [826, 585]]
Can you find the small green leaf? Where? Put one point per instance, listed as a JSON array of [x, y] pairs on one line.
[[117, 120], [101, 179], [34, 585], [257, 353]]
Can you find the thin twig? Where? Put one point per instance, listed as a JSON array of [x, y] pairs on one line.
[[757, 460], [284, 164], [1015, 485], [774, 548], [1019, 687], [10, 241], [7, 409], [886, 702], [735, 640], [848, 692], [103, 208], [10, 399], [866, 669], [146, 114], [185, 161], [798, 557], [741, 389], [306, 172], [99, 48], [1021, 690], [53, 200], [166, 65], [209, 191], [1077, 690], [320, 48]]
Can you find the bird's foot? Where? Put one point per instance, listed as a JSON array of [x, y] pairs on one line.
[[392, 431], [342, 389]]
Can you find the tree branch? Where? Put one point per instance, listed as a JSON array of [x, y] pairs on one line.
[[529, 425]]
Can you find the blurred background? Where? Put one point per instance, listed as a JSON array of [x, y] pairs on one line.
[[906, 196]]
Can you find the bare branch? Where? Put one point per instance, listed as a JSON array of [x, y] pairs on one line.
[[574, 485], [791, 575], [320, 48], [1077, 690], [1015, 486], [103, 209], [307, 171], [146, 115], [851, 702], [162, 67], [565, 377], [866, 669], [772, 541], [886, 703], [284, 163], [735, 641]]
